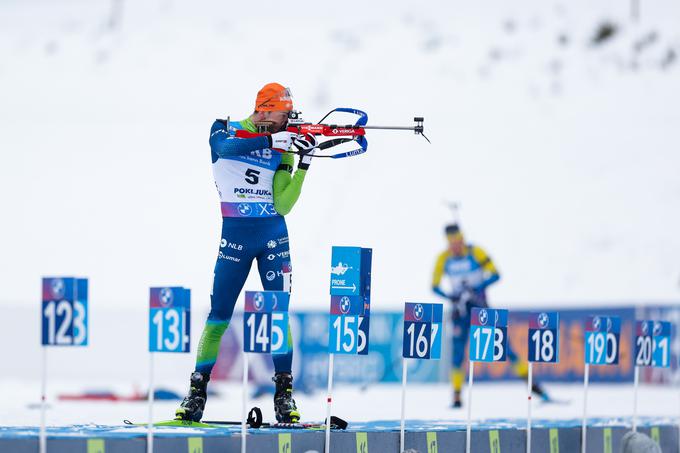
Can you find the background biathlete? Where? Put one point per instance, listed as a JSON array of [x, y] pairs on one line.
[[469, 271]]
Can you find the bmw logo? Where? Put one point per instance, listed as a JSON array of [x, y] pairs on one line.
[[244, 209], [58, 288], [418, 311], [165, 297], [597, 322], [543, 320], [483, 316], [258, 301], [345, 305]]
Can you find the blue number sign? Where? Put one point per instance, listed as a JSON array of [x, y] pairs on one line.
[[169, 319], [422, 331], [64, 311], [488, 335], [544, 337], [602, 340], [661, 336], [350, 300], [653, 343], [348, 330], [265, 322]]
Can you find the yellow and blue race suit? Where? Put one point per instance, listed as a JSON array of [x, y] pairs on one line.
[[466, 276]]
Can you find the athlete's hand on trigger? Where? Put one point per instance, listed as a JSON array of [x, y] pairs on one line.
[[281, 141], [304, 144]]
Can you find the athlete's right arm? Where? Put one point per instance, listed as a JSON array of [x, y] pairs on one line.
[[222, 144], [437, 275]]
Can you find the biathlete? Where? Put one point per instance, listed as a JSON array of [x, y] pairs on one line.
[[257, 187], [469, 271]]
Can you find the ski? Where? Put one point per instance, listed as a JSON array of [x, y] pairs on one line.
[[254, 420], [183, 423]]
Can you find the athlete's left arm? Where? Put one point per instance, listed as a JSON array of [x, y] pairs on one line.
[[491, 274], [287, 186]]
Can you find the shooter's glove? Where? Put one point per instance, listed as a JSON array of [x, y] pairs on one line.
[[281, 141], [305, 146]]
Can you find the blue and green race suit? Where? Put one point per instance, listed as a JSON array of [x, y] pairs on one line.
[[257, 188]]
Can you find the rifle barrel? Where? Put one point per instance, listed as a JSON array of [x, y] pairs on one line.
[[400, 128]]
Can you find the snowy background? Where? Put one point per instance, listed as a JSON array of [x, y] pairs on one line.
[[562, 150]]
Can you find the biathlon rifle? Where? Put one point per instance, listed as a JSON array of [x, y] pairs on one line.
[[345, 133], [339, 134]]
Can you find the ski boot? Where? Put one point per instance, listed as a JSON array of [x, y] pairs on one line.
[[457, 403], [284, 404], [193, 404]]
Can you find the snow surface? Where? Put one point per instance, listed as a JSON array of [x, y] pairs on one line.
[[506, 401]]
